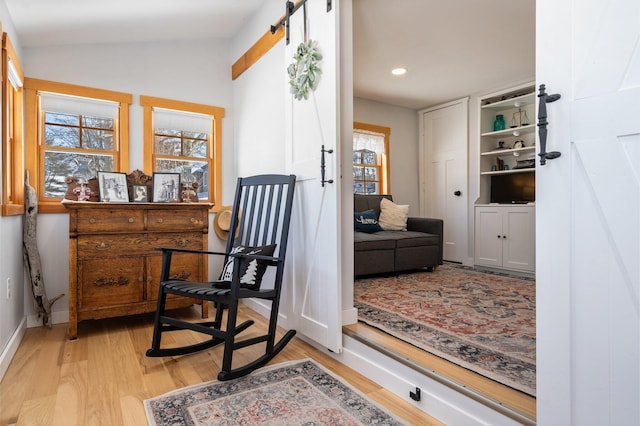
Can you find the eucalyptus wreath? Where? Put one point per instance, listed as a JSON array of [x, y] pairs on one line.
[[304, 73]]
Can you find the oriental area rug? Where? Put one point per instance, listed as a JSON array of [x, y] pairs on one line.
[[482, 321], [292, 393]]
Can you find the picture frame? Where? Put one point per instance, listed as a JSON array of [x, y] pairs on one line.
[[140, 194], [166, 187], [112, 187]]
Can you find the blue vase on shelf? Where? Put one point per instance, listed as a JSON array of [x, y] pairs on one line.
[[499, 123]]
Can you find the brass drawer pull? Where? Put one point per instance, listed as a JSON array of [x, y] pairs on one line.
[[160, 220], [111, 281], [131, 220], [193, 220], [182, 242], [92, 220], [103, 246]]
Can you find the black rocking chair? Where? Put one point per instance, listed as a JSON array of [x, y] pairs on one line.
[[257, 240]]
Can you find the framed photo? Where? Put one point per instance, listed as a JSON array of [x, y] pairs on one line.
[[166, 187], [113, 187], [140, 194]]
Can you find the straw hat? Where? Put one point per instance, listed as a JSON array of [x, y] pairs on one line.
[[222, 222]]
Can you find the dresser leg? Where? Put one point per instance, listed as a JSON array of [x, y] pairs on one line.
[[73, 329]]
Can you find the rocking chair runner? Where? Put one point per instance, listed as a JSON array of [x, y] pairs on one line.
[[257, 240]]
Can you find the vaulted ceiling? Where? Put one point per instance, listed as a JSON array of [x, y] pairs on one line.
[[451, 48]]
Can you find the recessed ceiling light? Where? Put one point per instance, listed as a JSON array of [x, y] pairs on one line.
[[399, 71]]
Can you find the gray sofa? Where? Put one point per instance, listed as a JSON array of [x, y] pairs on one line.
[[384, 252]]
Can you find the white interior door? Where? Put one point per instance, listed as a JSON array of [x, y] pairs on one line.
[[588, 214], [444, 171], [314, 257]]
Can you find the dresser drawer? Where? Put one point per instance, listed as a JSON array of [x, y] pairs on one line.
[[113, 245], [116, 220], [183, 240], [110, 283], [169, 220]]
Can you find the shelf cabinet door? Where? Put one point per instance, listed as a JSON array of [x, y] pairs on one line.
[[488, 236], [518, 250], [505, 237]]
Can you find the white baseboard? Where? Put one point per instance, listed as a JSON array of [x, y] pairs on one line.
[[57, 317], [12, 346], [349, 316]]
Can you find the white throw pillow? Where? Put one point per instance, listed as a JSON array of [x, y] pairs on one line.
[[393, 217]]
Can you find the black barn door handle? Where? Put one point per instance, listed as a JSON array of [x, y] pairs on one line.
[[542, 124]]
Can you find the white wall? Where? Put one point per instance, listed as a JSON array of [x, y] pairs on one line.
[[155, 69], [259, 100], [403, 147], [11, 267]]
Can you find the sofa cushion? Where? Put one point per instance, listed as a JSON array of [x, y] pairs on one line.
[[363, 202], [412, 239], [366, 221], [393, 217], [375, 241]]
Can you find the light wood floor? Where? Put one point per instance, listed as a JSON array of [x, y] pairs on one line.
[[103, 377]]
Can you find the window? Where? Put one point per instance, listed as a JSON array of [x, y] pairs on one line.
[[73, 131], [370, 159], [12, 136], [186, 138]]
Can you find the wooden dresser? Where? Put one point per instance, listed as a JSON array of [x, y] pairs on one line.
[[114, 269]]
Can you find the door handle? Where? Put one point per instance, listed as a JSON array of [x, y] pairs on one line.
[[457, 193], [323, 165], [542, 124]]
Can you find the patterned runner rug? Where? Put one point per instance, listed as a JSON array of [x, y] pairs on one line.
[[292, 393], [484, 322]]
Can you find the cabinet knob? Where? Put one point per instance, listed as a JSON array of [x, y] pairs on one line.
[[457, 193], [499, 236], [131, 220], [193, 220], [160, 220], [92, 220]]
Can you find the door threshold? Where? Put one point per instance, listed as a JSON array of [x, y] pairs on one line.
[[504, 399]]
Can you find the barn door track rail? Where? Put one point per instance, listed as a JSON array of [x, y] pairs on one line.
[[290, 9]]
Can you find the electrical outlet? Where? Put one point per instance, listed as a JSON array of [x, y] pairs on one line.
[[8, 288]]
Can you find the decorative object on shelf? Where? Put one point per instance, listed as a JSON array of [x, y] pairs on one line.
[[140, 194], [189, 192], [499, 123], [525, 164], [524, 120], [514, 120], [113, 187], [166, 187], [304, 73], [82, 191], [74, 185], [518, 144]]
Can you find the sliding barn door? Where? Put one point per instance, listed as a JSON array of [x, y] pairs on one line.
[[588, 214], [314, 254]]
